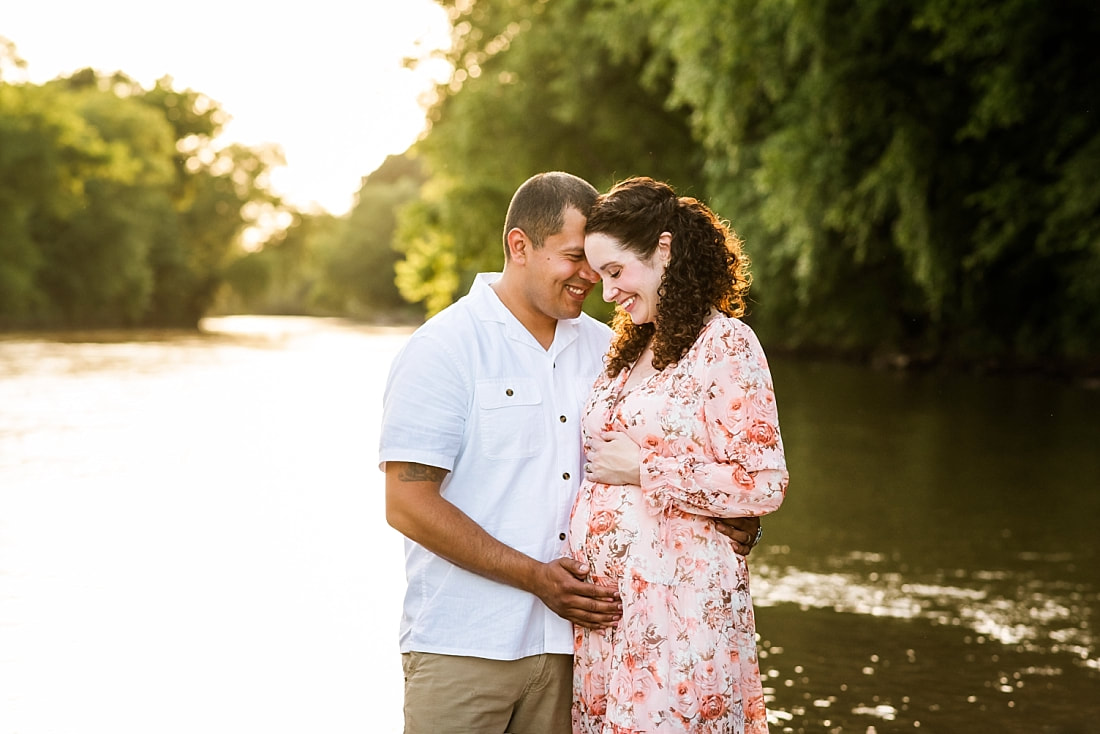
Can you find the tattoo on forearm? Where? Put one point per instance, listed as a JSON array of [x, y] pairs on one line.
[[421, 473]]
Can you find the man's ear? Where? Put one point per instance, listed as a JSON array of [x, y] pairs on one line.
[[518, 245]]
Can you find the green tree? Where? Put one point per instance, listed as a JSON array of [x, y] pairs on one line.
[[28, 139], [285, 275], [1031, 255], [116, 208], [101, 273], [359, 263], [220, 201], [908, 176], [52, 163], [324, 265], [535, 88], [218, 194]]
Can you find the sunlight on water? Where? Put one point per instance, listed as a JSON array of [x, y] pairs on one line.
[[191, 534], [192, 540], [1039, 613]]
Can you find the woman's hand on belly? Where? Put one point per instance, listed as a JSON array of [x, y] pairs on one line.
[[613, 458]]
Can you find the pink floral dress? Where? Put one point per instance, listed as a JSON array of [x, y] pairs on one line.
[[683, 656]]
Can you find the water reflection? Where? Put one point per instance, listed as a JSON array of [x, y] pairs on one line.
[[191, 539], [191, 535], [936, 564], [1039, 616]]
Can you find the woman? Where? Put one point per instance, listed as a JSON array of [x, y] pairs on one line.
[[681, 428]]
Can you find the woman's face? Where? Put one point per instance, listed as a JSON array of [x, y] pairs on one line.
[[627, 280]]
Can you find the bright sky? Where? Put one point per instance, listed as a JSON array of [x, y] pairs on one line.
[[321, 78]]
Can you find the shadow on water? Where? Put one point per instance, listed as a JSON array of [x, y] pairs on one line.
[[935, 566]]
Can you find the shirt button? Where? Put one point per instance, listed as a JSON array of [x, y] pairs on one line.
[[561, 418], [565, 475], [561, 536], [509, 392]]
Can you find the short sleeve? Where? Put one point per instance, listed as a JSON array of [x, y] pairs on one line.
[[425, 405]]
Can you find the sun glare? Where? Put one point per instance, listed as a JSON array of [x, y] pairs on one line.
[[328, 87]]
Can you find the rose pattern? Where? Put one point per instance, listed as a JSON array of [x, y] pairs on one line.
[[683, 656]]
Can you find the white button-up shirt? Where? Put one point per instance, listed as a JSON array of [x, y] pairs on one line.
[[474, 393]]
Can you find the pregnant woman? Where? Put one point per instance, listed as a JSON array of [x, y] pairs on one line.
[[680, 429]]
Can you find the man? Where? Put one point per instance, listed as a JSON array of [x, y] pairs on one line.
[[481, 449]]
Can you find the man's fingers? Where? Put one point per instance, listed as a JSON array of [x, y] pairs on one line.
[[597, 592], [576, 568], [597, 601], [603, 614]]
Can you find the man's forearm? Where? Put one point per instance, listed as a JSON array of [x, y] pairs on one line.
[[416, 509]]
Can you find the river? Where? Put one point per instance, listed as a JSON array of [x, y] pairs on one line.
[[192, 540]]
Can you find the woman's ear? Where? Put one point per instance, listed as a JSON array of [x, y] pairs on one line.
[[664, 245]]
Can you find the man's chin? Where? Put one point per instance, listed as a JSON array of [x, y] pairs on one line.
[[571, 310]]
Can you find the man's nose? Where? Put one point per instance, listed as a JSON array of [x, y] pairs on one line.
[[589, 273]]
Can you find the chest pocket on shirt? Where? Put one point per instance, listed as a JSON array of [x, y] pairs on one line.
[[510, 418]]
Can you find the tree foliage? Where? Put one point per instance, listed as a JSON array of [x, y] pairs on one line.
[[911, 179], [326, 265], [360, 263], [115, 206], [910, 174], [535, 88]]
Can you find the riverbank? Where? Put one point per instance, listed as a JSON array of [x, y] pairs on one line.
[[1083, 372]]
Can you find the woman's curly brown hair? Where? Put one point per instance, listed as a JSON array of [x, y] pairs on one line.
[[706, 269]]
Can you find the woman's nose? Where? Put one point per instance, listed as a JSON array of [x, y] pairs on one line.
[[609, 292], [589, 273]]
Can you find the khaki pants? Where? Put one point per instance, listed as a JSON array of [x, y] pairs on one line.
[[464, 695]]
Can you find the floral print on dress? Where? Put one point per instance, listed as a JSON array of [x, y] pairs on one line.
[[683, 656]]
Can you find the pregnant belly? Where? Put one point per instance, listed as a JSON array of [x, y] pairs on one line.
[[607, 520]]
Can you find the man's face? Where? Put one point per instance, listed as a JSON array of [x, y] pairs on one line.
[[558, 276]]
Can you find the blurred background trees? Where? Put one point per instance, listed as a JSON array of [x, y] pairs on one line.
[[334, 266], [115, 208], [916, 182]]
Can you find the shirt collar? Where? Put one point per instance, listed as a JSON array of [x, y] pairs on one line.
[[489, 307], [487, 304]]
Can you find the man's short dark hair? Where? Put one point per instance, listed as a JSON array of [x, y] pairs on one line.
[[539, 204]]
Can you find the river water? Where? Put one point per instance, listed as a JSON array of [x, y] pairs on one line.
[[192, 540]]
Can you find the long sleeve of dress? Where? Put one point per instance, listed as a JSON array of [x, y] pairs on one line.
[[719, 451]]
